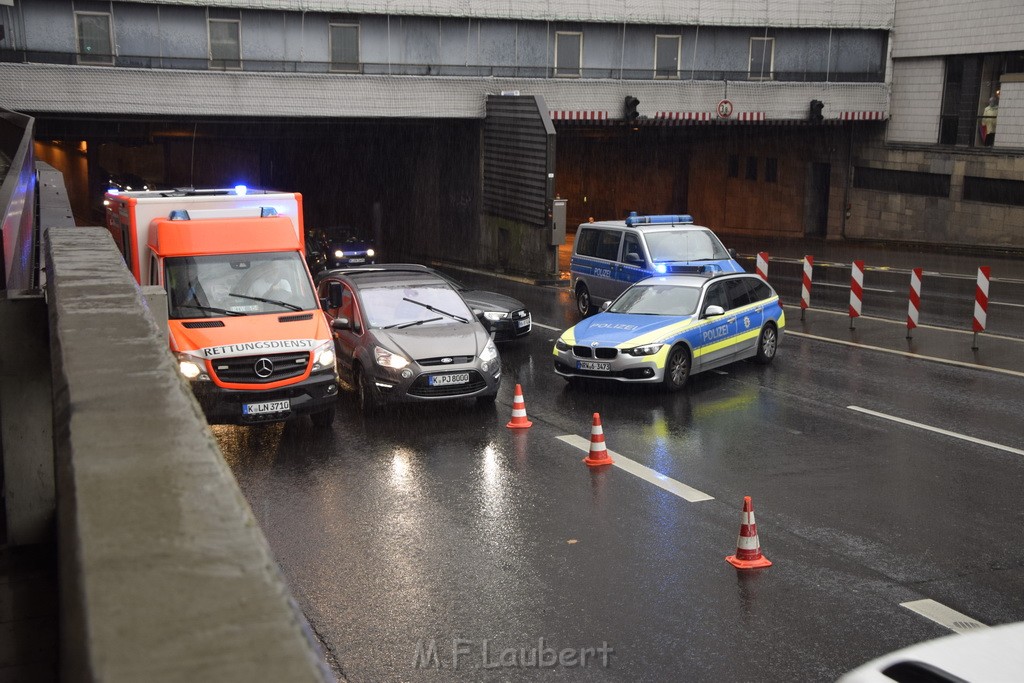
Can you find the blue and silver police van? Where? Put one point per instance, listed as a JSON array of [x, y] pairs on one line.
[[609, 256]]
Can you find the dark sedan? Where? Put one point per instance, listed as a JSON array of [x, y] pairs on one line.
[[344, 246]]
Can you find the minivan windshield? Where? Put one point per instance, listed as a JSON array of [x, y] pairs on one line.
[[404, 305], [237, 284], [685, 245], [659, 299]]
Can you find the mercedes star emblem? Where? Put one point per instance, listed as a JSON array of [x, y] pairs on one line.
[[264, 368]]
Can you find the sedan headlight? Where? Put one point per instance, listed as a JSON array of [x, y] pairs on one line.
[[371, 252], [192, 367], [338, 253], [562, 346], [323, 356], [645, 350], [490, 351], [495, 315], [389, 360]]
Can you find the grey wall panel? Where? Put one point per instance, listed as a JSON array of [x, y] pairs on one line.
[[518, 156]]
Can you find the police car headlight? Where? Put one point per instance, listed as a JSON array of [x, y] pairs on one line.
[[192, 367], [561, 345], [495, 315], [323, 356], [389, 360], [645, 350], [489, 353]]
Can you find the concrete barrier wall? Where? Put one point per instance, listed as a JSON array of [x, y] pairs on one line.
[[164, 572]]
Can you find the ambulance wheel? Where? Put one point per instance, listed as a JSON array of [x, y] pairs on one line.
[[325, 418], [583, 303], [677, 368], [767, 345], [365, 396]]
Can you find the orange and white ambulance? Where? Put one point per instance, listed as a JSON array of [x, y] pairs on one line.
[[244, 320]]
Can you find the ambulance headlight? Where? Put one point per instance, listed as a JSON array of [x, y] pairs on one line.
[[323, 356], [645, 350], [192, 367]]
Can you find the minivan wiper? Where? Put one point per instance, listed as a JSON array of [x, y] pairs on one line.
[[402, 326], [283, 304], [435, 310], [222, 311]]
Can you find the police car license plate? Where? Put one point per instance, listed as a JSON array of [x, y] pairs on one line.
[[266, 407], [593, 365], [525, 322], [443, 380]]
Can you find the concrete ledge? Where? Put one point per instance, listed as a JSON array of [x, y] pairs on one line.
[[164, 572]]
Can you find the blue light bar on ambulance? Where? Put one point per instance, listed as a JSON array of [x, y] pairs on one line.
[[634, 219]]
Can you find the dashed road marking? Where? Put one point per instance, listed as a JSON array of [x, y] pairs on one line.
[[657, 478], [944, 616], [938, 430], [547, 327]]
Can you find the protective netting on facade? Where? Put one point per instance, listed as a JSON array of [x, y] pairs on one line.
[[871, 14]]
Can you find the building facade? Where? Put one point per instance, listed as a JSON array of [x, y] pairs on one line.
[[862, 119]]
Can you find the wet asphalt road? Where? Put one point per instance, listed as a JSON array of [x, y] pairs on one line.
[[440, 524]]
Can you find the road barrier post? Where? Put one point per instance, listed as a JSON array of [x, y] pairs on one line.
[[981, 302], [856, 290], [762, 265], [805, 288], [914, 308]]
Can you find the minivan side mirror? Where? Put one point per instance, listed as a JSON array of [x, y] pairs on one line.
[[713, 310], [340, 323]]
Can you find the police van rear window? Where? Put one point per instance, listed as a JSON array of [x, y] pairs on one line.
[[603, 244]]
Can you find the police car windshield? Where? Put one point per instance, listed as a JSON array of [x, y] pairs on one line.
[[685, 245], [657, 299]]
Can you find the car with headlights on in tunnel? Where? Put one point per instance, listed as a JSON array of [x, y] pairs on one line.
[[403, 335], [665, 328]]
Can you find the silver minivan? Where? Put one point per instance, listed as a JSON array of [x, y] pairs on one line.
[[609, 256]]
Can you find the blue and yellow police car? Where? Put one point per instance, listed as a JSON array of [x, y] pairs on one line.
[[666, 328]]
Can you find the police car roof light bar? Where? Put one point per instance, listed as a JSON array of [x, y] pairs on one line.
[[666, 219]]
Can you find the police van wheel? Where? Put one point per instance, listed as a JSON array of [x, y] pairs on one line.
[[767, 345], [677, 369], [583, 304]]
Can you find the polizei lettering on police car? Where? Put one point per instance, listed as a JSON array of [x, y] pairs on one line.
[[715, 333], [249, 348]]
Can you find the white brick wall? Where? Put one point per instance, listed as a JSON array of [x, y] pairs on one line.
[[941, 27], [916, 100]]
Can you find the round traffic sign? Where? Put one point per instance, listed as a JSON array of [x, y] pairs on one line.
[[724, 109]]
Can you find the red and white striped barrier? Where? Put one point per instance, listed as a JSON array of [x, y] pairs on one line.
[[805, 287], [914, 309], [856, 290], [762, 265], [981, 302]]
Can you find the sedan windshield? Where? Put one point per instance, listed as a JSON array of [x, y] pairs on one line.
[[685, 245], [237, 284], [409, 305], [657, 299]]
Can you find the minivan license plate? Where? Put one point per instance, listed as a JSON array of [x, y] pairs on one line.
[[266, 407], [593, 365], [453, 378]]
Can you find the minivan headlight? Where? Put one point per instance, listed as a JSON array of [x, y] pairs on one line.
[[387, 359], [490, 351]]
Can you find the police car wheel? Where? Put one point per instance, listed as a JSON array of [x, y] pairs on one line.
[[677, 369], [583, 304], [767, 345]]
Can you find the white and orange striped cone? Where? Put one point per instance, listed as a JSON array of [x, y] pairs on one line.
[[748, 547], [519, 420], [598, 453]]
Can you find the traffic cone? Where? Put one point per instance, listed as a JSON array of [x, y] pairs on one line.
[[519, 420], [748, 547], [598, 453]]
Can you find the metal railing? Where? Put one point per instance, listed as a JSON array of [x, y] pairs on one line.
[[402, 69]]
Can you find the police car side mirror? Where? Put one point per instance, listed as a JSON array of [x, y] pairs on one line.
[[606, 305], [733, 254], [713, 310]]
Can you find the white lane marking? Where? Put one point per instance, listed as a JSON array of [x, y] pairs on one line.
[[657, 478], [1002, 303], [938, 430], [903, 323], [944, 616], [906, 354], [547, 327], [866, 289]]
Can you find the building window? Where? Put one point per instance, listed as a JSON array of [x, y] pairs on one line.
[[225, 29], [901, 182], [771, 170], [734, 166], [762, 59], [568, 54], [344, 47], [95, 40], [751, 168], [994, 190], [970, 98], [666, 56]]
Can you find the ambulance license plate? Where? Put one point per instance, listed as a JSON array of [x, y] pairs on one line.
[[443, 380], [266, 407], [593, 365]]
